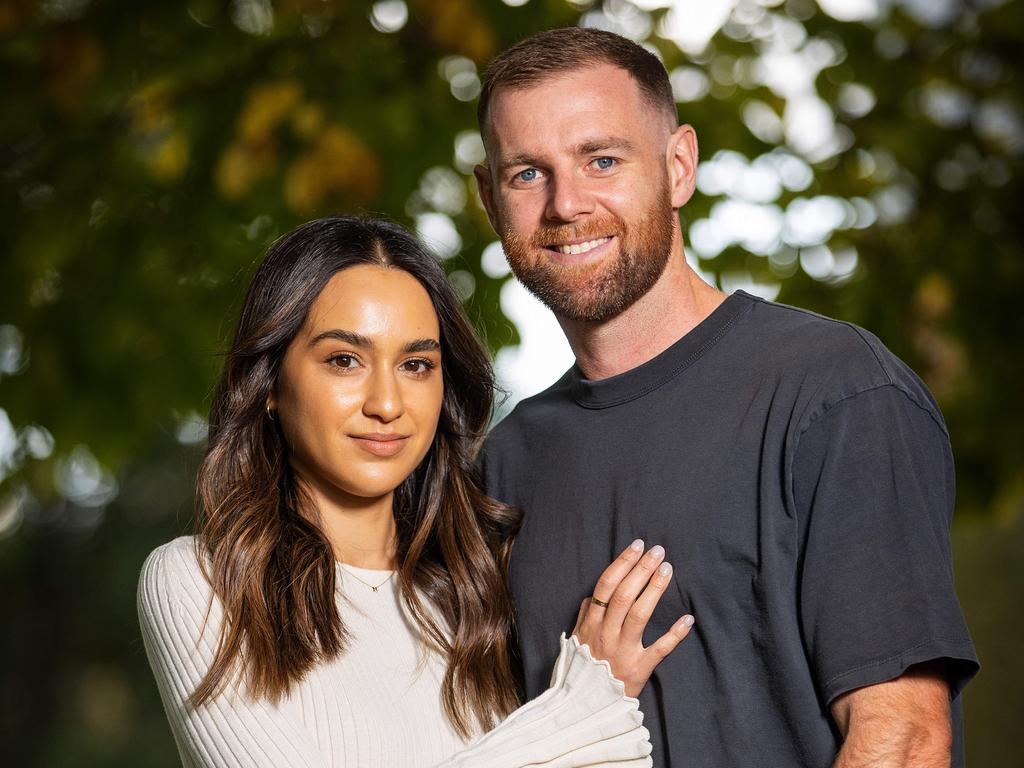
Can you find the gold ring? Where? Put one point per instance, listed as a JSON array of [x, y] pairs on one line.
[[596, 601]]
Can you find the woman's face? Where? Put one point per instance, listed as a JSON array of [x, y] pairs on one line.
[[360, 387]]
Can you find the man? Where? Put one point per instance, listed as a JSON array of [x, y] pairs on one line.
[[797, 473]]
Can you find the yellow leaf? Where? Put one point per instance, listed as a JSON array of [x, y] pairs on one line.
[[242, 165], [307, 120], [150, 107], [337, 170], [266, 106], [169, 160], [457, 25]]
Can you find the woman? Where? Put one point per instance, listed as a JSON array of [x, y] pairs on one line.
[[344, 600]]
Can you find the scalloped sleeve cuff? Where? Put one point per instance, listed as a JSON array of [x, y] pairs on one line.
[[583, 719]]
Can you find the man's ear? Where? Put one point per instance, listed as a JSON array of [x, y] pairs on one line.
[[486, 188], [682, 165]]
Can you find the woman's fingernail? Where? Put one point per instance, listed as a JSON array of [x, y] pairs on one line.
[[637, 546], [664, 569], [657, 551], [687, 620]]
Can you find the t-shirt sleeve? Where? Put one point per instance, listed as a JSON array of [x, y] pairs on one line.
[[873, 488], [180, 625]]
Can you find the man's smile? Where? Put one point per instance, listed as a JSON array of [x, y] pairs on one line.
[[579, 247]]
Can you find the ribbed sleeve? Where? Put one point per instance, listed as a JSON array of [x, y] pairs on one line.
[[378, 704], [180, 627], [583, 719]]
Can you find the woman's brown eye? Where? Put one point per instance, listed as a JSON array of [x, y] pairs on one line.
[[418, 366], [343, 361]]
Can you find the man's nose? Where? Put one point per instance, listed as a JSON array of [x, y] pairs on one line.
[[383, 397], [568, 198]]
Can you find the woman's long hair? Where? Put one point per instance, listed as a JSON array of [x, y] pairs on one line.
[[265, 556]]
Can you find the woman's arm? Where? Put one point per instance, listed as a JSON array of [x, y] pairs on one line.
[[587, 716], [584, 718], [181, 623]]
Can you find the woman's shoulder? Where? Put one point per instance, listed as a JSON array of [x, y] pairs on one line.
[[178, 557], [172, 576]]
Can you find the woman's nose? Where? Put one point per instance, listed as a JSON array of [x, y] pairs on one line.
[[384, 397]]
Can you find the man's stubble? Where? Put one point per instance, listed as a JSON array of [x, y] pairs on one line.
[[603, 290]]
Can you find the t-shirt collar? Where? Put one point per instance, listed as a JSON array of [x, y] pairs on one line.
[[649, 376]]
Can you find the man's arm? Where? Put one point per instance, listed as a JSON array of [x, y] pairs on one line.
[[901, 723], [884, 634]]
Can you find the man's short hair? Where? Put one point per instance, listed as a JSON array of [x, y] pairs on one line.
[[558, 51]]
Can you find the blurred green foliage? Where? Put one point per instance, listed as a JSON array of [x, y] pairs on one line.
[[151, 151]]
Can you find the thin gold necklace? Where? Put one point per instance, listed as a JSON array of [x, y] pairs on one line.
[[366, 583]]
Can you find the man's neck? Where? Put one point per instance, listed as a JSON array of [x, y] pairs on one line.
[[676, 304]]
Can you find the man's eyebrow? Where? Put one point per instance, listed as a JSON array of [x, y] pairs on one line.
[[588, 147], [604, 143], [513, 160]]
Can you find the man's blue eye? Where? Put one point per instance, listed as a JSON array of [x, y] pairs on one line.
[[528, 175], [604, 163]]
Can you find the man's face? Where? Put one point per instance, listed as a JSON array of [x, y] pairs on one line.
[[578, 190]]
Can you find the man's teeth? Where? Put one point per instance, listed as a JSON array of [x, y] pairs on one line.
[[581, 247]]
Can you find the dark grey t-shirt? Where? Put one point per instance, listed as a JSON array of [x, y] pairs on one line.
[[799, 476]]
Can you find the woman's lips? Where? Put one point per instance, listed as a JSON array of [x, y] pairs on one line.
[[381, 445]]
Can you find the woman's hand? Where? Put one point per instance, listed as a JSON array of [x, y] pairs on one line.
[[612, 621]]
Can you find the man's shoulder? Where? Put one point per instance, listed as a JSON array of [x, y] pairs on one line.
[[836, 357], [809, 340], [538, 406], [813, 336]]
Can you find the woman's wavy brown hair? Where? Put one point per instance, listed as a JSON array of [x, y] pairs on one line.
[[268, 561]]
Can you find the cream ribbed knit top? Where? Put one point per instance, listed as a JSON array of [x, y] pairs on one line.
[[378, 704]]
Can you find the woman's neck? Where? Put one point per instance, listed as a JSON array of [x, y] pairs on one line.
[[364, 543], [361, 531]]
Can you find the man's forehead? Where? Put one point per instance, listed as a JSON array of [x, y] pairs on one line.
[[530, 123], [595, 82], [587, 104]]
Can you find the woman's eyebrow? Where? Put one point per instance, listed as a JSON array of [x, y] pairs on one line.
[[358, 340], [422, 345], [338, 334]]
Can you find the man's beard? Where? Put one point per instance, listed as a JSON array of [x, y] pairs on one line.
[[599, 291]]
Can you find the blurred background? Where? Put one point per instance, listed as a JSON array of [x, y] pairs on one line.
[[861, 158]]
